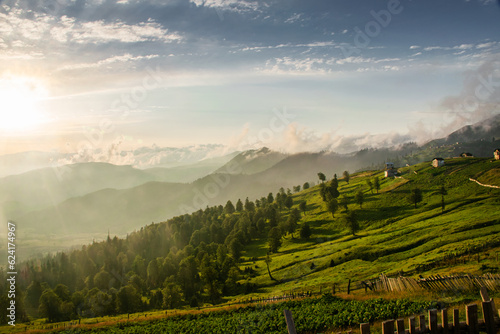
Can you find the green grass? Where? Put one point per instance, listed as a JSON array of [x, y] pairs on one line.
[[394, 236]]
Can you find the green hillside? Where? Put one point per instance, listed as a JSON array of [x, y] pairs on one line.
[[394, 236], [221, 254]]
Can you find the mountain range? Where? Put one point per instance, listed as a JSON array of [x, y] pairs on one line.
[[94, 199]]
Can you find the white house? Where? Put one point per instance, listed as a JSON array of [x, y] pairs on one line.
[[438, 162]]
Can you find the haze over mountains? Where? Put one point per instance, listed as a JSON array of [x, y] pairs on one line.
[[89, 199]]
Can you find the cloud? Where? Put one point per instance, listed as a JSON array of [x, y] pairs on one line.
[[239, 6], [145, 157], [20, 27], [479, 98], [69, 30], [111, 60]]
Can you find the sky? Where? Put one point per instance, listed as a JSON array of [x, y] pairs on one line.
[[114, 76]]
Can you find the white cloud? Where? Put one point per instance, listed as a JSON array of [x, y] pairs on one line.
[[485, 45], [414, 47], [294, 18], [115, 59], [146, 157], [40, 28], [67, 29], [230, 5]]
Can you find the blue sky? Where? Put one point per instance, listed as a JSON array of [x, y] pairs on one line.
[[347, 74]]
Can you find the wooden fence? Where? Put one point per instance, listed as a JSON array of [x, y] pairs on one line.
[[457, 283], [473, 325]]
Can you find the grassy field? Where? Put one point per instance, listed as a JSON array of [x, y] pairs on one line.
[[394, 236]]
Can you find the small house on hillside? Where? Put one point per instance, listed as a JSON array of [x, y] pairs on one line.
[[390, 171], [438, 162], [466, 155], [496, 154]]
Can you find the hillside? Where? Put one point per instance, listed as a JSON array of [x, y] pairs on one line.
[[219, 254], [394, 236]]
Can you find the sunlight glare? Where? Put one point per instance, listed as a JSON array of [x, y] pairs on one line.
[[20, 111]]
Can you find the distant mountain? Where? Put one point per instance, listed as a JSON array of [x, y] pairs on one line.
[[191, 172], [18, 163], [487, 130], [49, 186], [252, 161], [120, 211]]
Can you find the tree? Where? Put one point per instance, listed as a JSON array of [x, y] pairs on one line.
[[289, 202], [344, 202], [128, 300], [376, 184], [347, 177], [306, 186], [239, 205], [415, 196], [171, 296], [305, 231], [270, 198], [303, 206], [229, 208], [332, 206], [268, 260], [322, 177], [370, 185], [334, 186], [296, 189], [50, 306], [33, 294], [351, 222], [292, 221], [249, 205], [360, 198], [274, 239], [209, 275], [62, 292], [442, 191]]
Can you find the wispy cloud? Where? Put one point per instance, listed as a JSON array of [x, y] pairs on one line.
[[108, 61]]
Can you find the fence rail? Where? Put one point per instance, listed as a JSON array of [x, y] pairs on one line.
[[457, 283]]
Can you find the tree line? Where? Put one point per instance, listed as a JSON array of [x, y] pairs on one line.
[[188, 260]]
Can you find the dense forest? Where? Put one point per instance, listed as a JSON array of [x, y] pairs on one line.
[[187, 260]]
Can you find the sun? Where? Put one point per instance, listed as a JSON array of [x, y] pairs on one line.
[[20, 109]]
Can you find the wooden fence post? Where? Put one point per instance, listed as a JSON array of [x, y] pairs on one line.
[[486, 297], [489, 319], [400, 326], [421, 323], [433, 321], [364, 328], [471, 315], [388, 327], [289, 322], [456, 321], [411, 325], [444, 320]]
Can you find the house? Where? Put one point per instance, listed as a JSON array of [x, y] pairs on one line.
[[466, 155], [438, 162], [496, 154], [390, 171]]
